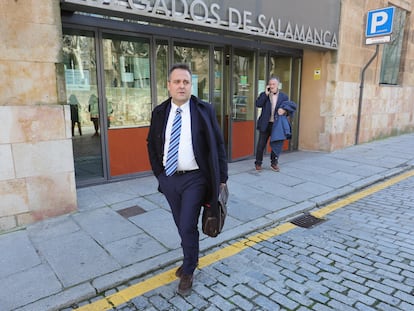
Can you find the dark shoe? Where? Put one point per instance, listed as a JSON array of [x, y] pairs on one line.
[[258, 167], [275, 167], [179, 272], [186, 282]]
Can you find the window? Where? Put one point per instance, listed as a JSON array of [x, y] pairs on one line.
[[127, 81], [392, 52], [197, 57]]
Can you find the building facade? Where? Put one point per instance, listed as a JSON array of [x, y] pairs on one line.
[[80, 78]]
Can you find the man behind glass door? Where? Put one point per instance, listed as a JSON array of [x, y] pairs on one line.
[[270, 101]]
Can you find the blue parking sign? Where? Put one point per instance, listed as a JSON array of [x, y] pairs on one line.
[[379, 22]]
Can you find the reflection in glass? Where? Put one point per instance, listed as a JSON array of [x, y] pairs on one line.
[[262, 78], [261, 71], [127, 81], [198, 60], [281, 66], [218, 93], [81, 85], [161, 54], [243, 85], [218, 85], [243, 104], [393, 51]]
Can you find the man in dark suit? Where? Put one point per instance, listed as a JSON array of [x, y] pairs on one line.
[[270, 101], [200, 166]]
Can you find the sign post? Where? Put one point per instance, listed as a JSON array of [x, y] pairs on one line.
[[378, 30]]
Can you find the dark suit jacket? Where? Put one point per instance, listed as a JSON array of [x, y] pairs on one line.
[[263, 101], [208, 143]]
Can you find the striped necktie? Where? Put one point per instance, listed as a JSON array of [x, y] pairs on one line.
[[172, 156]]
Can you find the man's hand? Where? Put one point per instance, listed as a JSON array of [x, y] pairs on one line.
[[281, 111]]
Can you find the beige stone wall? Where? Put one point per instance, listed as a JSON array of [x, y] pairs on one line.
[[36, 167], [329, 107], [312, 122]]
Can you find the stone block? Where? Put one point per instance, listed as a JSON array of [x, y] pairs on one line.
[[68, 122], [6, 163], [24, 219], [22, 124], [43, 158], [51, 195], [26, 24], [13, 196], [32, 83], [7, 223]]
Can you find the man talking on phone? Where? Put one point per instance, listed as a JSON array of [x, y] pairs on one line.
[[270, 101]]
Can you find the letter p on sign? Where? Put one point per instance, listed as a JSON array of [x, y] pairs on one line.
[[379, 22]]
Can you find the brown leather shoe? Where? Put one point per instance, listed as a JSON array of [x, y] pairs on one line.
[[258, 167], [179, 272], [186, 282], [275, 167]]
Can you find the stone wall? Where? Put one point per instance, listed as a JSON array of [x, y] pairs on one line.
[[332, 102], [36, 167]]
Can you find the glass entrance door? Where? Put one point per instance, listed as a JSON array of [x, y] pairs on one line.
[[288, 70], [218, 97], [243, 104], [127, 102], [79, 60], [109, 91]]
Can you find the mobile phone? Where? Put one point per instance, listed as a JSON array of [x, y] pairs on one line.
[[268, 89]]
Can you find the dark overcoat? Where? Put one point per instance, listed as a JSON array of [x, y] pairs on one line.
[[208, 144]]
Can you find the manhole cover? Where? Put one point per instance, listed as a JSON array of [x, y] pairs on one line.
[[131, 211], [307, 221]]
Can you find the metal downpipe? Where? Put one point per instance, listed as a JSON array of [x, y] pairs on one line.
[[361, 91]]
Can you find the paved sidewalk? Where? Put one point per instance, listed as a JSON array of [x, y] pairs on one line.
[[124, 230]]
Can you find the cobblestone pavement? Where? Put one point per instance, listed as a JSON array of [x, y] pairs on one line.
[[360, 258]]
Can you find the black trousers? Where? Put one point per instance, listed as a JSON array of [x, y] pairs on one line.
[[261, 145]]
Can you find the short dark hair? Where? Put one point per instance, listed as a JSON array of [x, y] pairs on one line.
[[179, 66]]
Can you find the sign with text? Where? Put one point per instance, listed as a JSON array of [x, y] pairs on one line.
[[379, 22], [272, 19]]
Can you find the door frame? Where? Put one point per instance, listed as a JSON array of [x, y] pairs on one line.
[[230, 105]]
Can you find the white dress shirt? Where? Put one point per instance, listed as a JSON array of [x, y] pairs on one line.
[[186, 158]]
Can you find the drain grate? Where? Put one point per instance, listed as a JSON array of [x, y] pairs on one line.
[[307, 221], [131, 211]]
